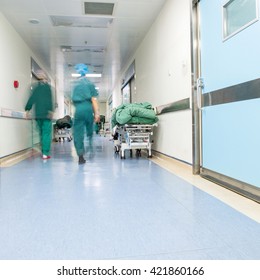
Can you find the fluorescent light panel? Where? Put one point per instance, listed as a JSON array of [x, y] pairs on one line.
[[88, 75], [94, 75]]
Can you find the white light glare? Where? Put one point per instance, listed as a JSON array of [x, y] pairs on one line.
[[87, 75]]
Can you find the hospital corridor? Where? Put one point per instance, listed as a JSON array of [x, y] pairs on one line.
[[116, 209], [129, 130]]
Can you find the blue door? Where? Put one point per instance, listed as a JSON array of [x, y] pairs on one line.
[[230, 109]]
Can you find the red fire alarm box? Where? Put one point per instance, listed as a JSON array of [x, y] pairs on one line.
[[16, 84]]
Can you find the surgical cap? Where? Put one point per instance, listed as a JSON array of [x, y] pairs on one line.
[[82, 69]]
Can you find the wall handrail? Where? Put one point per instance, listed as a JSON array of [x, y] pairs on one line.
[[179, 105], [9, 113]]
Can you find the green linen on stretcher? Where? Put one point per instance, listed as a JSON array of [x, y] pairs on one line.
[[134, 113]]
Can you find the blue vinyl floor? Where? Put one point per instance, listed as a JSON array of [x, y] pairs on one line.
[[114, 209]]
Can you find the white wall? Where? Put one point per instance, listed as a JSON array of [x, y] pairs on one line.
[[163, 75], [15, 57], [102, 108], [62, 109]]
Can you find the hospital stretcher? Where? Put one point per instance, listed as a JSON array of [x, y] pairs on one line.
[[62, 129], [62, 134], [134, 137]]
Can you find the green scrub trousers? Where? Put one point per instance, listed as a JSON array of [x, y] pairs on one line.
[[83, 121], [45, 128]]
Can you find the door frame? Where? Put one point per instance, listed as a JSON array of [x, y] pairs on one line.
[[196, 87]]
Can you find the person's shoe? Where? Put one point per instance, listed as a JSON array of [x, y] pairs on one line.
[[46, 157], [81, 160]]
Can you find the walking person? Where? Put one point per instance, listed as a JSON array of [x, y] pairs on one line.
[[84, 98], [42, 99]]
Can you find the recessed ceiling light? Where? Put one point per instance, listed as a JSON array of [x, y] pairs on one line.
[[34, 21], [94, 75], [87, 75]]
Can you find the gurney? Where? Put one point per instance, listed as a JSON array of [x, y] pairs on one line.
[[134, 125], [134, 113], [62, 129], [133, 137]]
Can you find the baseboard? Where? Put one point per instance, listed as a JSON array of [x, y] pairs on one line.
[[17, 157]]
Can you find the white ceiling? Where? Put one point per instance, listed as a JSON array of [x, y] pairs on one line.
[[105, 43]]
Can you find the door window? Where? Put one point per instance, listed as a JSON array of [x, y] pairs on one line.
[[237, 15]]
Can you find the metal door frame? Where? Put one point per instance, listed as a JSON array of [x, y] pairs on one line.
[[196, 87]]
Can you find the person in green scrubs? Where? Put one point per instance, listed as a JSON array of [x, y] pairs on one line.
[[42, 99], [84, 98]]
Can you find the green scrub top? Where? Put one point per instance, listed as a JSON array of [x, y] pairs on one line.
[[41, 97], [83, 91]]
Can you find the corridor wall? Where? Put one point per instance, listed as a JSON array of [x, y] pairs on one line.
[[13, 50], [15, 56], [163, 75]]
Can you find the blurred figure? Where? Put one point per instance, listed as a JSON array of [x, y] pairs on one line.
[[84, 98], [42, 99]]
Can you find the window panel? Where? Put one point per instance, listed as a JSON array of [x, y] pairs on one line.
[[237, 15]]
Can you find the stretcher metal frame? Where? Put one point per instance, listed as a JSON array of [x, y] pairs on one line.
[[62, 134], [134, 137]]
